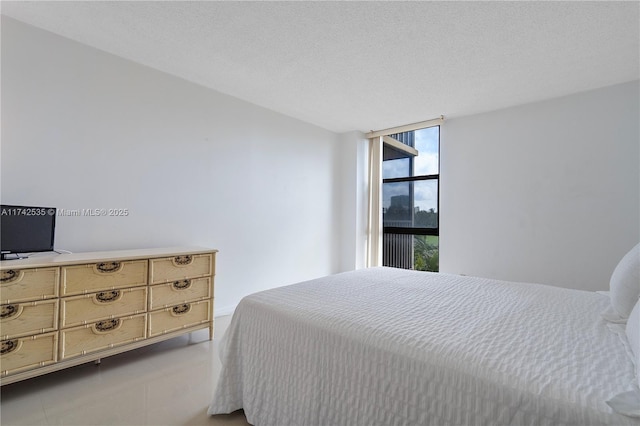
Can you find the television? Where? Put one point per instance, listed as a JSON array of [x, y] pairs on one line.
[[26, 229]]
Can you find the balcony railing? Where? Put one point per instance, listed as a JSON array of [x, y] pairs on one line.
[[397, 250]]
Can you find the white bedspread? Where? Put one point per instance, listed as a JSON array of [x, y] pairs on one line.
[[386, 346]]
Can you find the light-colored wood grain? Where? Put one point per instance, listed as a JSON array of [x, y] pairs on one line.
[[172, 319], [29, 353], [87, 308], [89, 338], [23, 319], [38, 370], [23, 285], [88, 278], [99, 311], [170, 268], [63, 259], [181, 291]]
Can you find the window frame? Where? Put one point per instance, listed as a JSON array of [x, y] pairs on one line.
[[402, 230], [415, 230]]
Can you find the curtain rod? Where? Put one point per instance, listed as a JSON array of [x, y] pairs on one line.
[[406, 128]]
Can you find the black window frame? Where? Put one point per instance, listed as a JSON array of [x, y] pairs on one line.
[[403, 230], [416, 230]]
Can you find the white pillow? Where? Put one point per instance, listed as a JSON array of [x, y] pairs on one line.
[[612, 315], [633, 335], [625, 283], [628, 403]]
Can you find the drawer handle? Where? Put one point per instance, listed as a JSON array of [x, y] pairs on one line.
[[11, 275], [8, 346], [108, 267], [183, 260], [182, 285], [107, 325], [181, 309], [108, 296], [9, 311]]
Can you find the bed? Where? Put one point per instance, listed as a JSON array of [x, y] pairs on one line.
[[385, 346]]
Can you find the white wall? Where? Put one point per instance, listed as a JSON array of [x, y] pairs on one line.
[[354, 201], [546, 192], [85, 129]]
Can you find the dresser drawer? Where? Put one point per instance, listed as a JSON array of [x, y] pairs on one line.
[[28, 352], [22, 285], [102, 335], [94, 277], [23, 319], [80, 310], [179, 317], [163, 270], [181, 291]]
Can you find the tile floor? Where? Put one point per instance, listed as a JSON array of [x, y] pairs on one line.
[[169, 383]]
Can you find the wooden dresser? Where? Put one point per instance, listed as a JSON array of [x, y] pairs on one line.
[[68, 309]]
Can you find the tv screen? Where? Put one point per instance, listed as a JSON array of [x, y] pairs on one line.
[[25, 229]]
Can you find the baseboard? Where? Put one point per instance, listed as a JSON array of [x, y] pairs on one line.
[[224, 310]]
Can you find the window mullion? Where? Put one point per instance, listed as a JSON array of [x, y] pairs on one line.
[[410, 178]]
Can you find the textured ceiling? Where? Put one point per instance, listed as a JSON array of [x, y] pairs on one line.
[[364, 65]]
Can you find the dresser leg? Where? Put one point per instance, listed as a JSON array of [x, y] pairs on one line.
[[97, 362]]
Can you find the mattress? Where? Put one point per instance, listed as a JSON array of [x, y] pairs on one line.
[[385, 346]]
